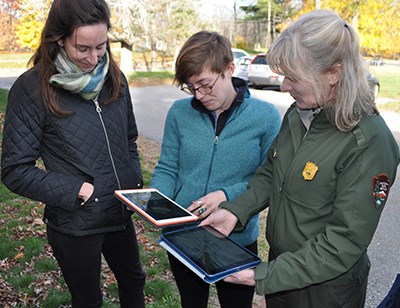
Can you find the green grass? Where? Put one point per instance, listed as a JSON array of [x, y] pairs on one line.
[[140, 78], [391, 106], [3, 100], [157, 74], [56, 299], [389, 86], [13, 60], [389, 80], [45, 265]]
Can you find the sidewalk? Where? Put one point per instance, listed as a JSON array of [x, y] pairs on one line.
[[392, 120]]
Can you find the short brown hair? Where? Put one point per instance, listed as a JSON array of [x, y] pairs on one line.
[[203, 50]]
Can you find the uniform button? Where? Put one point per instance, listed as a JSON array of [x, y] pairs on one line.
[[96, 200], [138, 184]]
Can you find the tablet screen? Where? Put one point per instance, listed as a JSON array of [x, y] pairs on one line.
[[210, 250], [155, 206]]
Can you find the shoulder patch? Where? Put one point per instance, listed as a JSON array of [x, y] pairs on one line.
[[380, 189]]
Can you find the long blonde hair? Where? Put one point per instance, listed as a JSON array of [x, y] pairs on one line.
[[312, 46]]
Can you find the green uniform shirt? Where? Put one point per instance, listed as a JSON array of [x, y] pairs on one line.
[[325, 192]]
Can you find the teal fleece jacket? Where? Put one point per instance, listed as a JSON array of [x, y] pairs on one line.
[[194, 162]]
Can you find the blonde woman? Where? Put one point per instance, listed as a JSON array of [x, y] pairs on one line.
[[327, 176]]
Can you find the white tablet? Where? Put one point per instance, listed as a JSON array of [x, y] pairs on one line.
[[155, 207]]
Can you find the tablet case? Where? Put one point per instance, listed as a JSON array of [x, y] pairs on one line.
[[155, 207], [207, 252]]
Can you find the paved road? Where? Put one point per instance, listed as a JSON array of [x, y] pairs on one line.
[[151, 105]]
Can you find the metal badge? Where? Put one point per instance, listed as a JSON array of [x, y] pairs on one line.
[[309, 171]]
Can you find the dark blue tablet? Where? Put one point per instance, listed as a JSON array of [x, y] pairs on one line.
[[208, 253]]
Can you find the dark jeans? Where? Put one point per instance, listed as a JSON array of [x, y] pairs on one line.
[[194, 291], [80, 262], [319, 296]]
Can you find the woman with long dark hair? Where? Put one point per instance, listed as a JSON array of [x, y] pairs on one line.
[[73, 110]]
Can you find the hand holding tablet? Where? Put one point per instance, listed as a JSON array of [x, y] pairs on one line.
[[207, 252]]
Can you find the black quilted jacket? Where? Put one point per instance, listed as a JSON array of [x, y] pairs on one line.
[[92, 145]]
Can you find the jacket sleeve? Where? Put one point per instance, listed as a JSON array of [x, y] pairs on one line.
[[255, 198], [350, 229], [22, 136], [272, 120], [165, 174], [273, 123]]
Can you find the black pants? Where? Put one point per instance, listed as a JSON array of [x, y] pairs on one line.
[[319, 296], [80, 262], [194, 291]]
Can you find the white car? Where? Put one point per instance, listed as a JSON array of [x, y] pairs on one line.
[[238, 53], [260, 75], [242, 67]]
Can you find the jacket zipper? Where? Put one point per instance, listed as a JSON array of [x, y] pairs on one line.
[[216, 140], [98, 110]]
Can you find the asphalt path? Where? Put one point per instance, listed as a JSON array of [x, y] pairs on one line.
[[151, 105]]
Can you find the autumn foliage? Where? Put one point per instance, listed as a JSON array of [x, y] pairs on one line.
[[376, 21]]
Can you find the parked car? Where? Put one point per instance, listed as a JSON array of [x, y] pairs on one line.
[[377, 61], [242, 68], [238, 53], [261, 75]]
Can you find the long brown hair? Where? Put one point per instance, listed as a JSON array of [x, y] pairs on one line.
[[63, 18]]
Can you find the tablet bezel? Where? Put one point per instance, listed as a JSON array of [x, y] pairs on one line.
[[190, 217]]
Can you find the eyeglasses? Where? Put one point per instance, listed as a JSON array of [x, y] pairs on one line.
[[205, 90]]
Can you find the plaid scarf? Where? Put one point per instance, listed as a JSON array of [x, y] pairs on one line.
[[71, 78]]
